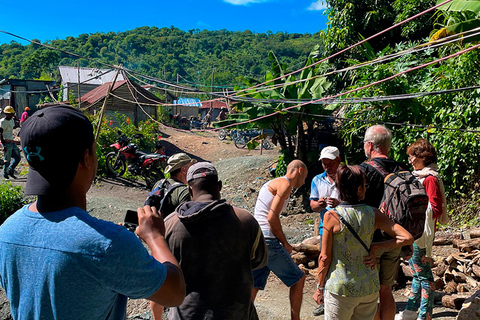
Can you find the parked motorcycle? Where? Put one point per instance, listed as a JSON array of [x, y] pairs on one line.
[[127, 155], [195, 123]]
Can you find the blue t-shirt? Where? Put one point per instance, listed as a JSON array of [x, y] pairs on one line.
[[70, 265], [322, 187]]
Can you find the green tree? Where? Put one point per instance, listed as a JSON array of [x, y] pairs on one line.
[[290, 117], [40, 61]]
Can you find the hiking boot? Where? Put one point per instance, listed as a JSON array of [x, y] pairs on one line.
[[6, 177], [406, 315], [318, 310]]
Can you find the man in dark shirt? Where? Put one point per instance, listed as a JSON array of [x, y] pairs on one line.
[[218, 246], [377, 145]]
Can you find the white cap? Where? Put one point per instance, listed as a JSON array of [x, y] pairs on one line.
[[331, 153]]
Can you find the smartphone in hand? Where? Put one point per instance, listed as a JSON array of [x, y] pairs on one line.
[[131, 220]]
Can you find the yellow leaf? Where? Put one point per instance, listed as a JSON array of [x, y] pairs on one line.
[[442, 33]]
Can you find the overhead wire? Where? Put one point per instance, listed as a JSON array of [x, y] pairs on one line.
[[282, 76], [418, 48], [359, 88], [58, 88], [306, 67], [354, 45]]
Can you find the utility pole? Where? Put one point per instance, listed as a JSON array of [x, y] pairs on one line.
[[211, 90], [78, 76]]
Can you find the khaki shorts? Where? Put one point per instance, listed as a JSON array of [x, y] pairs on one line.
[[354, 308], [388, 261]]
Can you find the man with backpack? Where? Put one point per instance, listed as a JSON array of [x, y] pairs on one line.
[[168, 194], [377, 143]]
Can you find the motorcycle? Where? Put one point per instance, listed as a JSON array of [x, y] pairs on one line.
[[127, 155], [195, 123]]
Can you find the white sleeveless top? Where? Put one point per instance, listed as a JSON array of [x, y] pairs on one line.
[[262, 207]]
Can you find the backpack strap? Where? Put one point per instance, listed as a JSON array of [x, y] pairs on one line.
[[378, 167], [355, 234]]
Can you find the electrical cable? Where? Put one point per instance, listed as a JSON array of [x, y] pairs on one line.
[[354, 45], [359, 88]]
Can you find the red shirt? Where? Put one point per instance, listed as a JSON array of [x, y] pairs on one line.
[[434, 195]]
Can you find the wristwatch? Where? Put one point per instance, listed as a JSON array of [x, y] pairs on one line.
[[320, 288]]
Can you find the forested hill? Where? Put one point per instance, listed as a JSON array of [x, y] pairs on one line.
[[163, 53]]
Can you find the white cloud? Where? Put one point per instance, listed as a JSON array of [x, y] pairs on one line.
[[202, 24], [317, 6], [243, 2]]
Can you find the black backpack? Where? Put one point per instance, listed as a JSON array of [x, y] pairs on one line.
[[404, 201], [159, 196]]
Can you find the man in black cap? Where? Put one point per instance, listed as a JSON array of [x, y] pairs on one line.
[[57, 261], [218, 246]]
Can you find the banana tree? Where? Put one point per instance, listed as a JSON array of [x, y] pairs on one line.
[[459, 16], [292, 127]]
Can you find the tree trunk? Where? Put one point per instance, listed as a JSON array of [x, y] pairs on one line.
[[301, 147]]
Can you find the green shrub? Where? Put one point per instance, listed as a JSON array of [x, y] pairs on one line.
[[108, 135], [11, 199]]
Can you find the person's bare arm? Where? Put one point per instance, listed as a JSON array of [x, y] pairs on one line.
[[318, 205], [151, 229], [282, 190], [401, 237], [330, 225]]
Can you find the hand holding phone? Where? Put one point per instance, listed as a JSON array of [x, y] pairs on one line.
[[131, 220]]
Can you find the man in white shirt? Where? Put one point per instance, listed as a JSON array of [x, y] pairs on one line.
[[10, 148], [323, 193]]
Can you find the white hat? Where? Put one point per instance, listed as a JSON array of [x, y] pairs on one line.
[[331, 153]]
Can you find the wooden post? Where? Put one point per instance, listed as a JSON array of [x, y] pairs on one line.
[[78, 76], [261, 144], [211, 96], [102, 111]]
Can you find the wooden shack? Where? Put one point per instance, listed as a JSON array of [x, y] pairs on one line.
[[23, 93], [126, 98]]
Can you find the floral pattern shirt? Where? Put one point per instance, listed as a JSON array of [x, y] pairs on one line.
[[348, 276]]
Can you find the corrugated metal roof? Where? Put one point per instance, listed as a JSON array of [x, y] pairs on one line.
[[216, 104], [98, 93], [188, 102], [94, 76]]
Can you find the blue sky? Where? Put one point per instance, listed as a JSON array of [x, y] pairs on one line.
[[58, 20]]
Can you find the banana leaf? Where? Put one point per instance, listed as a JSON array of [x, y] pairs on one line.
[[460, 5]]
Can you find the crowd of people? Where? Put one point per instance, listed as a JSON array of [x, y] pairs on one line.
[[207, 259]]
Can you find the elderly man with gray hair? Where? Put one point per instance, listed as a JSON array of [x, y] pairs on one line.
[[377, 143]]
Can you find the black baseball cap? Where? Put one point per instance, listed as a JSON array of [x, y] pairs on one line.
[[54, 140]]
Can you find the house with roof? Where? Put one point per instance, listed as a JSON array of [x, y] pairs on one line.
[[20, 94], [126, 97], [82, 80], [216, 107], [186, 107]]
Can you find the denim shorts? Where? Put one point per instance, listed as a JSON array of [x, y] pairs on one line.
[[280, 263]]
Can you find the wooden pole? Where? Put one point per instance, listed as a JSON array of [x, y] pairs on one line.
[[102, 111], [261, 144], [211, 96], [78, 76]]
